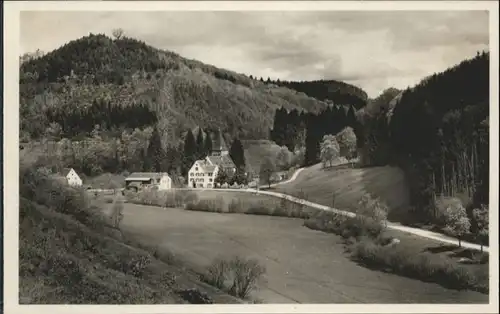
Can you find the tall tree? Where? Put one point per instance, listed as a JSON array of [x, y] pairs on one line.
[[200, 145], [208, 144], [237, 153], [155, 155], [189, 152]]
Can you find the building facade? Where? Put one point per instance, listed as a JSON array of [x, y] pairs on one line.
[[72, 177], [140, 180], [204, 171]]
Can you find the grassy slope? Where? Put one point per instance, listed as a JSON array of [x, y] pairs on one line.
[[349, 185], [65, 261]]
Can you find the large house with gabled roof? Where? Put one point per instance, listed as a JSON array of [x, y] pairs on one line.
[[204, 171]]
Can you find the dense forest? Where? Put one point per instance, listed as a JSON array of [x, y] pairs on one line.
[[295, 129], [438, 133], [125, 72], [340, 93]]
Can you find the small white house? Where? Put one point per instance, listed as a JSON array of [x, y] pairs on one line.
[[72, 177], [139, 180]]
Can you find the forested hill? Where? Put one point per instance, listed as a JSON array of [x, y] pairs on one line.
[[332, 91], [438, 133], [125, 72]]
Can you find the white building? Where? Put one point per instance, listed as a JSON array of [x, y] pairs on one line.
[[72, 177], [140, 180], [203, 172]]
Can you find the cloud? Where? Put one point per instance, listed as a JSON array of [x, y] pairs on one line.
[[372, 49]]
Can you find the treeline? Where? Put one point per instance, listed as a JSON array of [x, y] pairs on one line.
[[438, 133], [107, 60], [75, 121], [295, 129], [340, 93]]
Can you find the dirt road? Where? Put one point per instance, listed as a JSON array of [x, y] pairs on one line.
[[303, 265]]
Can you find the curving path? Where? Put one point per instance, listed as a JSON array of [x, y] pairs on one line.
[[395, 226]]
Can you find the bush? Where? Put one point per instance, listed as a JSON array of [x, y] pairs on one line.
[[217, 273], [242, 275], [117, 212], [236, 206], [347, 227], [215, 205], [422, 266]]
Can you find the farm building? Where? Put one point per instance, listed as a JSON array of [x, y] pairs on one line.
[[70, 176], [139, 180]]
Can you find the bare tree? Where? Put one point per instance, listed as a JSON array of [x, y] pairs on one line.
[[117, 33]]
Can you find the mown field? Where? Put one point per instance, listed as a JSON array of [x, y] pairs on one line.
[[303, 265], [348, 185]]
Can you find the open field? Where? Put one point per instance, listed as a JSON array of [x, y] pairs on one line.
[[349, 185], [303, 265]]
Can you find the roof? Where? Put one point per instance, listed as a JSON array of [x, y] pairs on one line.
[[205, 166], [139, 176], [222, 161], [66, 171], [218, 143]]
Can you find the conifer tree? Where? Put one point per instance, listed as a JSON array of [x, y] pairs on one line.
[[189, 155], [208, 144], [200, 145], [155, 154], [237, 153]]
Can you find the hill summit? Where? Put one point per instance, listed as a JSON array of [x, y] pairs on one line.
[[125, 72]]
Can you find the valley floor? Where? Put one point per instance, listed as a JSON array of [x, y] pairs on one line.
[[303, 265]]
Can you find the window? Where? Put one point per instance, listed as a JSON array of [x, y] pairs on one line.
[[210, 180], [196, 168], [191, 174], [210, 174]]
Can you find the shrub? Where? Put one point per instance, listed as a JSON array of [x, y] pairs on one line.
[[215, 205], [117, 212], [217, 273], [236, 206], [421, 266], [373, 208], [245, 274], [347, 227], [441, 205], [241, 274]]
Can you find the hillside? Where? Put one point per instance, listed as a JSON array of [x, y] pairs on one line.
[[349, 185], [68, 252], [126, 72], [437, 132]]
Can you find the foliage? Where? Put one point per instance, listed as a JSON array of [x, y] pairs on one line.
[[439, 137], [237, 153], [117, 212], [155, 154], [419, 266], [222, 177], [242, 275], [347, 143], [329, 90], [126, 72], [481, 222], [372, 208], [283, 158], [330, 149], [266, 171], [344, 226], [457, 222]]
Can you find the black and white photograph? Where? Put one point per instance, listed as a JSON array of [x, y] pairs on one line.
[[251, 154]]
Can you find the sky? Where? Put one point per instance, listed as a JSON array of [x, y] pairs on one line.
[[374, 50]]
